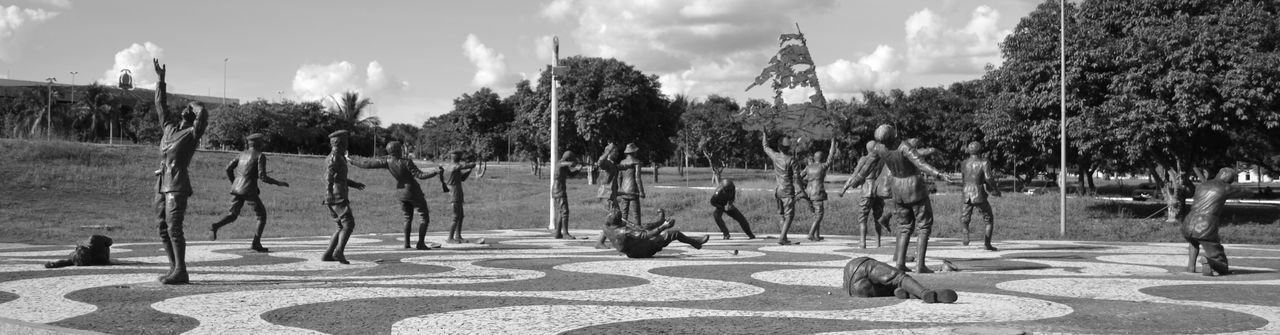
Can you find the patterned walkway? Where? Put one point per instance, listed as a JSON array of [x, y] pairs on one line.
[[521, 282]]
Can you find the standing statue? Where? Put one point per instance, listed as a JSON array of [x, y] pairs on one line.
[[458, 173], [92, 252], [866, 277], [244, 172], [1200, 226], [784, 192], [643, 241], [339, 205], [178, 145], [813, 182], [978, 182], [890, 207], [910, 194], [407, 189], [722, 200], [559, 193], [630, 186], [872, 193], [608, 191]]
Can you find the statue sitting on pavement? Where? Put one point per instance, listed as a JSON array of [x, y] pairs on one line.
[[643, 241], [94, 251], [865, 277]]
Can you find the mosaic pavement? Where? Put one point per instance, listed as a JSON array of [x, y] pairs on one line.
[[522, 282]]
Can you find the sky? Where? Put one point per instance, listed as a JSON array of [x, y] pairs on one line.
[[412, 58]]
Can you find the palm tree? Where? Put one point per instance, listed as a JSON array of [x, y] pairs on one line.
[[351, 107], [95, 104], [27, 109]]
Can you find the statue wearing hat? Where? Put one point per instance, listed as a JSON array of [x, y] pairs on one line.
[[979, 182], [1200, 226], [178, 144], [408, 191], [784, 167], [336, 184], [244, 172], [608, 191], [630, 185], [457, 174], [566, 167], [910, 194]]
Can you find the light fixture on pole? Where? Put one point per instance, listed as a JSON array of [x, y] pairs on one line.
[[48, 117], [555, 133], [224, 80], [73, 85]]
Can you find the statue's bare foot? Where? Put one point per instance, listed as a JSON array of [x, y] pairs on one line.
[[341, 259], [213, 233], [602, 246], [786, 242], [327, 258], [259, 248], [567, 237], [923, 269], [423, 246], [815, 238], [901, 293], [726, 237], [990, 248], [177, 278]]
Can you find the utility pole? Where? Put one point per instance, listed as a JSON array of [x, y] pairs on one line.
[[48, 117], [224, 80]]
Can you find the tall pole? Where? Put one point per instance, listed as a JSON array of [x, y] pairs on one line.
[[1062, 123], [224, 80], [48, 116], [73, 86], [555, 133]]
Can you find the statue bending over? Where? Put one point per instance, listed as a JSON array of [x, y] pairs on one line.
[[1200, 226], [722, 199], [244, 172]]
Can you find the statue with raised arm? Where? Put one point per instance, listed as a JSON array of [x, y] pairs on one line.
[[910, 194], [336, 184], [608, 191], [1200, 226], [408, 191], [979, 182], [244, 172], [722, 199], [814, 182], [561, 196], [457, 174], [784, 191], [178, 144], [872, 195], [630, 185], [644, 240], [865, 277]]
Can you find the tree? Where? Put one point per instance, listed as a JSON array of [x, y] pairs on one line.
[[483, 118], [94, 103], [714, 133], [352, 108]]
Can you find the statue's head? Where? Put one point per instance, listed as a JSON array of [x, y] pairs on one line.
[[973, 148], [189, 113], [255, 141], [631, 149], [887, 134], [726, 182], [612, 150], [614, 219], [567, 156], [1227, 175], [395, 149], [338, 141], [456, 155], [819, 155], [871, 146]]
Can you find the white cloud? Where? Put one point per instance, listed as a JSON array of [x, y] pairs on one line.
[[542, 48], [491, 66], [14, 24], [933, 46], [137, 59], [314, 82], [558, 9], [880, 70], [54, 3]]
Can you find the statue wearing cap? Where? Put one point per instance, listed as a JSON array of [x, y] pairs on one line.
[[244, 172], [784, 167], [336, 184], [979, 182], [910, 194], [871, 195], [630, 185], [408, 191], [457, 174], [178, 144], [1200, 226]]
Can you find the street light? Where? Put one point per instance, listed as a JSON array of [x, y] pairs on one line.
[[224, 80], [48, 117], [73, 86]]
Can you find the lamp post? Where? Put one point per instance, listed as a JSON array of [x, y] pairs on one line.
[[73, 85], [224, 80], [48, 117], [1062, 123], [555, 132]]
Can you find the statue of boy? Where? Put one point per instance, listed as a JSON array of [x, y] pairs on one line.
[[979, 181], [722, 199], [458, 173], [608, 191], [336, 184], [872, 195], [813, 182], [178, 145], [630, 185], [408, 191], [243, 172], [561, 196]]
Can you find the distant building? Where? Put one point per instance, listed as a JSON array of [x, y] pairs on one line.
[[10, 88], [1253, 175]]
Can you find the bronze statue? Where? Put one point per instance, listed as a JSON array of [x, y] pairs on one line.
[[458, 173], [178, 145], [910, 194], [784, 192], [608, 179], [872, 195], [630, 186], [244, 172], [978, 182], [408, 191], [94, 251], [561, 196], [336, 184], [643, 241], [865, 277], [1200, 226], [722, 200], [813, 182]]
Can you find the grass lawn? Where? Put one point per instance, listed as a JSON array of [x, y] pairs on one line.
[[58, 189]]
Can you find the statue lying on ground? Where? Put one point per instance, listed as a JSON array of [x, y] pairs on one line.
[[865, 277], [94, 251], [643, 241]]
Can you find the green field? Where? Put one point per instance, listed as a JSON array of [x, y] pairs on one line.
[[63, 191]]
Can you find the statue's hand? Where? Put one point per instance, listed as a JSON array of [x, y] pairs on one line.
[[160, 68], [358, 186], [996, 194], [284, 184]]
